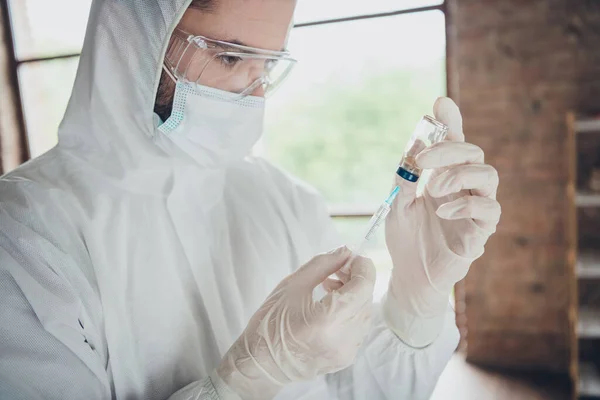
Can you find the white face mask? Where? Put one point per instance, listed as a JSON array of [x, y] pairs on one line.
[[211, 128]]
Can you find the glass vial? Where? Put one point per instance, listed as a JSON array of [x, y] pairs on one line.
[[427, 132]]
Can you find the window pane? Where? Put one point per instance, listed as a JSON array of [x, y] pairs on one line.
[[45, 89], [343, 118], [351, 230], [47, 28], [316, 10]]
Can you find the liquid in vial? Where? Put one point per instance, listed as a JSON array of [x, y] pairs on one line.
[[427, 132]]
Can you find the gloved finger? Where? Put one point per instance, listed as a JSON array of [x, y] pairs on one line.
[[407, 194], [483, 210], [447, 112], [447, 154], [332, 284], [314, 272], [481, 179], [343, 274], [352, 296], [359, 289], [345, 270]]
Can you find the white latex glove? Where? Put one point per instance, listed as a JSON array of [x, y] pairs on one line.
[[294, 338], [434, 238]]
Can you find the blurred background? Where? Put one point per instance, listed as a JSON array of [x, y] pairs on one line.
[[527, 78]]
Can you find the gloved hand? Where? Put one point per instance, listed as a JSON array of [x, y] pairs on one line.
[[434, 238], [294, 338]]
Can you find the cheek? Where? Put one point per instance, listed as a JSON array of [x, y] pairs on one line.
[[235, 79], [213, 79], [215, 75]]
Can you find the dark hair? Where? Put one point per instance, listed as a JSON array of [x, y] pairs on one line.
[[203, 5]]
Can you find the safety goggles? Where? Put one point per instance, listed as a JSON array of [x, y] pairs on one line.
[[227, 66]]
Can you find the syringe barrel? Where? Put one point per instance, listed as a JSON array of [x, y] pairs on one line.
[[428, 131], [376, 220]]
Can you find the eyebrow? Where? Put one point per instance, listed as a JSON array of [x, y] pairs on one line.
[[240, 43]]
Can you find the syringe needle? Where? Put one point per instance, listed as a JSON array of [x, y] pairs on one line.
[[374, 224]]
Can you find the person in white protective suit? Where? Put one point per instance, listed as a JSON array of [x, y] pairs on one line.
[[150, 256]]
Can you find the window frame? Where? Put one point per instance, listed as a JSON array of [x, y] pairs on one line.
[[15, 63], [365, 211]]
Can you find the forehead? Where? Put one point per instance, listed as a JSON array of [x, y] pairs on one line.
[[257, 23]]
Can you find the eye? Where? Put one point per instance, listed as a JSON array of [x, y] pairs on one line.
[[229, 61], [270, 64]]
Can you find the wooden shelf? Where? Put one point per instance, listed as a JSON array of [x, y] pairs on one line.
[[588, 323], [587, 199], [584, 269], [587, 125], [589, 380], [588, 264]]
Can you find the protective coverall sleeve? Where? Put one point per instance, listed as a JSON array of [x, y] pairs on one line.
[[209, 388], [50, 347], [34, 363], [386, 368]]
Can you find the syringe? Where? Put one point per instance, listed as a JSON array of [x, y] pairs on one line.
[[428, 132], [376, 220], [380, 215]]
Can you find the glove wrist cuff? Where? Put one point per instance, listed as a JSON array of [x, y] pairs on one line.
[[414, 330], [233, 379], [224, 392]]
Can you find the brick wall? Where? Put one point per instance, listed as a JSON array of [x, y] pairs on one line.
[[516, 67]]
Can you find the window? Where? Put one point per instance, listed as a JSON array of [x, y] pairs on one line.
[[342, 119], [47, 42], [367, 71]]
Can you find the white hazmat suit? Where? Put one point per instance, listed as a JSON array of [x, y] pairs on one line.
[[128, 268]]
